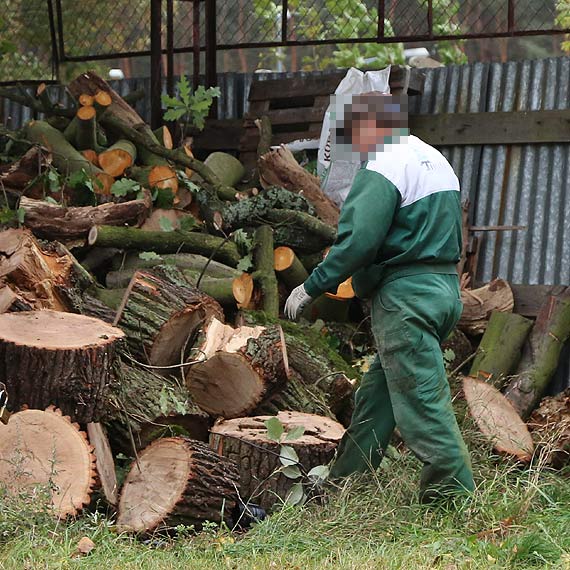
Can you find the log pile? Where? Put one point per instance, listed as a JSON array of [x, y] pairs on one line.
[[141, 313]]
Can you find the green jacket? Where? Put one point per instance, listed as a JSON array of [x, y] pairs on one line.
[[401, 217]]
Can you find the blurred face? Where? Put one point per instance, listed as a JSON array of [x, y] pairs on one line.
[[367, 135]]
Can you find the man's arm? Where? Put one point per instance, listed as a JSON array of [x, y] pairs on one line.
[[364, 222]]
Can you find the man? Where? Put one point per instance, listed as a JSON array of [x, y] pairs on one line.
[[399, 236]]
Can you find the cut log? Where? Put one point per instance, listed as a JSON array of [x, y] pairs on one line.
[[288, 267], [162, 314], [245, 441], [478, 304], [86, 100], [11, 302], [165, 242], [49, 357], [541, 354], [550, 427], [160, 176], [264, 274], [104, 463], [144, 406], [92, 157], [117, 158], [279, 168], [328, 309], [102, 303], [164, 137], [86, 135], [188, 152], [497, 419], [201, 487], [54, 222], [42, 278], [227, 167], [263, 124], [66, 158], [241, 368], [500, 349], [102, 100], [21, 176], [43, 95], [44, 449]]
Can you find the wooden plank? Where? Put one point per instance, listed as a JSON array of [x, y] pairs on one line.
[[219, 134], [517, 127], [289, 116], [530, 298]]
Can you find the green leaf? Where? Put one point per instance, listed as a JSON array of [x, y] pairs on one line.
[[448, 355], [291, 472], [77, 179], [288, 456], [150, 256], [172, 102], [245, 264], [50, 200], [184, 90], [174, 114], [165, 224], [296, 495], [275, 429], [188, 223], [124, 186], [20, 214], [53, 181], [318, 473], [163, 401], [295, 433]]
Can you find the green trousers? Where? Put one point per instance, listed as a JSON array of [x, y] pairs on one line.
[[407, 387]]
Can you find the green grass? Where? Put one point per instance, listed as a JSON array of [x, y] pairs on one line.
[[371, 522]]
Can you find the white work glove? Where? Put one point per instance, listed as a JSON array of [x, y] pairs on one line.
[[296, 302]]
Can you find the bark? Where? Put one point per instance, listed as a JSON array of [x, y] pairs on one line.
[[241, 367], [541, 354], [54, 222], [500, 349], [11, 302], [50, 357], [102, 303], [478, 304], [144, 406], [279, 168], [265, 135], [45, 448], [202, 487], [288, 267], [18, 178], [245, 441], [264, 274], [498, 421], [165, 242], [86, 135], [66, 158], [226, 167], [161, 314]]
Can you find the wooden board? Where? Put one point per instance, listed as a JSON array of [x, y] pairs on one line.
[[530, 298]]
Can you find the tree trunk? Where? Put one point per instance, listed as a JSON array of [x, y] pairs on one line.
[[241, 368], [66, 158], [165, 242], [541, 354], [478, 304], [226, 167], [264, 274], [45, 448], [201, 487], [279, 168], [500, 349], [49, 357], [117, 158], [498, 421], [144, 406], [288, 267], [104, 463], [54, 222], [245, 441]]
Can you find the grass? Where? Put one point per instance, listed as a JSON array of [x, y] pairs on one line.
[[518, 518]]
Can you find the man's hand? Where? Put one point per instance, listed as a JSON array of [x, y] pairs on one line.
[[296, 302]]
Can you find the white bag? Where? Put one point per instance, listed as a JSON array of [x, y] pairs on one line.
[[337, 176]]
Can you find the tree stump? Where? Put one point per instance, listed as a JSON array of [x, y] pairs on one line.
[[242, 367], [497, 419], [245, 441], [48, 357], [177, 481], [45, 449], [161, 315]]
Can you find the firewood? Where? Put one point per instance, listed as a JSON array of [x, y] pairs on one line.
[[541, 354], [102, 100], [66, 158], [144, 406], [500, 349], [55, 222], [162, 313], [10, 301], [104, 463], [263, 124], [160, 176], [50, 357], [227, 168], [86, 135], [91, 156], [240, 368], [165, 242], [478, 304], [550, 428], [288, 267], [44, 448], [164, 137], [117, 158], [264, 274], [245, 441], [497, 419], [20, 176], [43, 95], [201, 487], [279, 168], [86, 100]]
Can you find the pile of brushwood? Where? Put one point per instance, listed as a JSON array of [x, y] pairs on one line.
[[141, 295]]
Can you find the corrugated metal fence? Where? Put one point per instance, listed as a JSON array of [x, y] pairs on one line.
[[506, 184]]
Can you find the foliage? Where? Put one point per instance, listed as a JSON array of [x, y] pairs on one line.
[[563, 20], [125, 186], [190, 108]]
